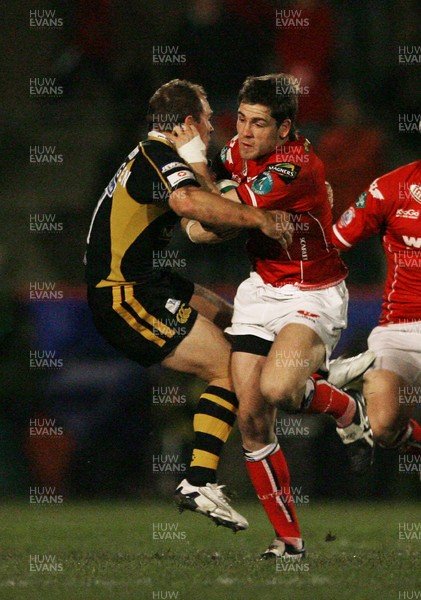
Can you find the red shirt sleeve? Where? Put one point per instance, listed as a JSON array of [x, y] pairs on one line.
[[362, 219]]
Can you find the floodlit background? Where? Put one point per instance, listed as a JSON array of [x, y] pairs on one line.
[[75, 416]]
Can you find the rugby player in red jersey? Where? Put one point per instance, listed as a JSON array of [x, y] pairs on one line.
[[288, 315], [391, 206]]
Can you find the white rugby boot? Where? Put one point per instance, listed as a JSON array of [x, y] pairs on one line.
[[209, 500]]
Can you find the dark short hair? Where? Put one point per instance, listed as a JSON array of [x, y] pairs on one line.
[[173, 102], [277, 91]]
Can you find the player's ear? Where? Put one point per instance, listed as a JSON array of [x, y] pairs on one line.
[[284, 129], [189, 120]]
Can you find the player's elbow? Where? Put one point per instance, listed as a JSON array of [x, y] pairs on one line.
[[181, 201]]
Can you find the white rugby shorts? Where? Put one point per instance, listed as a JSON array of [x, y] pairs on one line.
[[262, 310], [398, 349]]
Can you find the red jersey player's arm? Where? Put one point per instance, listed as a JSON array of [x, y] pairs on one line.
[[360, 221]]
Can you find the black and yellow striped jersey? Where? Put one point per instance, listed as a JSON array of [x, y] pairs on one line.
[[133, 221]]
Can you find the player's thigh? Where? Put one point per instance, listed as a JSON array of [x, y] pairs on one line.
[[204, 352], [145, 322], [387, 409], [211, 306], [296, 353], [255, 417]]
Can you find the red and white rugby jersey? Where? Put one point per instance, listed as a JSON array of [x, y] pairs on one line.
[[291, 179], [391, 206]]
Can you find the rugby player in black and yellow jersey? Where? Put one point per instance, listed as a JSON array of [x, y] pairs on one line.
[[154, 315]]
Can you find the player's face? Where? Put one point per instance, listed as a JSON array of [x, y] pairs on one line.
[[204, 126], [258, 132]]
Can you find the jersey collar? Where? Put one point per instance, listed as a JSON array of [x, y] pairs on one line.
[[160, 137]]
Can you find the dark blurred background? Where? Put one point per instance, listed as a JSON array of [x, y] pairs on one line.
[[77, 77]]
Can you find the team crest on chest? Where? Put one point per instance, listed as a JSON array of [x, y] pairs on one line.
[[415, 191]]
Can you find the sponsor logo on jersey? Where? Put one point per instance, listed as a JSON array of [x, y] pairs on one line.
[[263, 184], [183, 314], [304, 252], [412, 241], [361, 200], [133, 153], [176, 178], [407, 214], [166, 233], [124, 176], [415, 191], [285, 170], [172, 305], [109, 190], [347, 217], [173, 165], [374, 190]]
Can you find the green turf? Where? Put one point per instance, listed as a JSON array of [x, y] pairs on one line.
[[107, 550]]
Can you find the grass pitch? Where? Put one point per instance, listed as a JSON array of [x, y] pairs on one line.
[[144, 551]]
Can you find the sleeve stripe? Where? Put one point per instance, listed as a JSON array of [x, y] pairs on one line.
[[340, 238], [252, 195]]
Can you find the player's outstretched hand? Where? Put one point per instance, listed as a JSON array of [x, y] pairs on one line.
[[277, 226]]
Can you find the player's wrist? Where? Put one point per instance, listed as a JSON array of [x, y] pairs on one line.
[[194, 151], [262, 218]]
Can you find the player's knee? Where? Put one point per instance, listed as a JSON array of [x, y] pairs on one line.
[[283, 396], [216, 367], [385, 431], [215, 371]]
